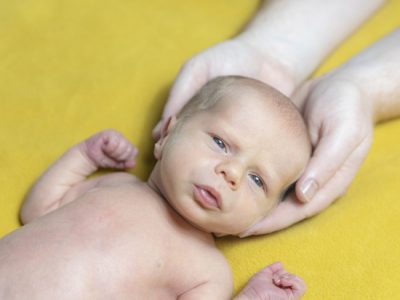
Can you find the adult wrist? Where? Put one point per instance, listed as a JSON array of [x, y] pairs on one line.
[[274, 60], [277, 51], [293, 33], [357, 85]]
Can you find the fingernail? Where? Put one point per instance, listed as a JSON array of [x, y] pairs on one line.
[[309, 189]]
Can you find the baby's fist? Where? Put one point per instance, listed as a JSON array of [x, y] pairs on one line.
[[274, 283], [110, 149]]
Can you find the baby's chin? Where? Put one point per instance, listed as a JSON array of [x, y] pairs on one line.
[[217, 233]]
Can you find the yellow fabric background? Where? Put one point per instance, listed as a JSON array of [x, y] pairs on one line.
[[69, 68]]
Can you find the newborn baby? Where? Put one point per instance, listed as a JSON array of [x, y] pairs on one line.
[[222, 165]]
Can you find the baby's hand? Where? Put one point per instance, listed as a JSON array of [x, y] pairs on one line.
[[274, 283], [110, 149]]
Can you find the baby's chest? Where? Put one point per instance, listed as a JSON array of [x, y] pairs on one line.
[[169, 259], [167, 262], [139, 241]]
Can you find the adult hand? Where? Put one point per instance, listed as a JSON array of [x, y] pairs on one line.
[[340, 122], [232, 57], [281, 46]]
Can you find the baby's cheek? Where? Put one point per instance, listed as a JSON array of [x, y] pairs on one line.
[[241, 222]]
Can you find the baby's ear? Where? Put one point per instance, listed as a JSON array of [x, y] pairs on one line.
[[165, 131]]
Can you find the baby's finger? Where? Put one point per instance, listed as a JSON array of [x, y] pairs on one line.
[[284, 280], [111, 141], [107, 162], [295, 283], [129, 150], [279, 274], [118, 149], [130, 162], [275, 267]]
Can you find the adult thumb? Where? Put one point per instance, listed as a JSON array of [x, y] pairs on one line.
[[331, 152]]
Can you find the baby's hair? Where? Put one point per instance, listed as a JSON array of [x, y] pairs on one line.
[[221, 87], [208, 95]]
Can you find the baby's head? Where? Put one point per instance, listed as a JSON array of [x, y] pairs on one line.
[[227, 158]]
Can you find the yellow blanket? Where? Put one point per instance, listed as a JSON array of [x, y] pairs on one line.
[[69, 68]]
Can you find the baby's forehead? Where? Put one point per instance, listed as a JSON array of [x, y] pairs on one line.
[[251, 91], [248, 106], [253, 124]]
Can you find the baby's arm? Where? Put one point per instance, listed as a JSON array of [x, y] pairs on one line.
[[106, 149]]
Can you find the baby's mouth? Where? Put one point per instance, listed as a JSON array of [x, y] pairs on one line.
[[207, 197]]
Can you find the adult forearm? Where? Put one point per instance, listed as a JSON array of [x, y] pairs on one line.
[[376, 71], [300, 34]]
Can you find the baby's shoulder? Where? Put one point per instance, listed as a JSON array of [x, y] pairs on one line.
[[214, 278], [211, 262]]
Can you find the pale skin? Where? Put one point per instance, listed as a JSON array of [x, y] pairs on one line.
[[282, 46], [115, 236], [341, 109]]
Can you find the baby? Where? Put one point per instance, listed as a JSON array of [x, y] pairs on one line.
[[222, 165]]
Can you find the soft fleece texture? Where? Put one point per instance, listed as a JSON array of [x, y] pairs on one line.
[[69, 68]]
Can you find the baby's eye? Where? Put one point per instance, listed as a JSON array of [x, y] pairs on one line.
[[220, 143], [257, 180]]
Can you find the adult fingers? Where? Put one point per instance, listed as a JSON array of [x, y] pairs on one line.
[[332, 150], [341, 180], [192, 76], [285, 214], [291, 211]]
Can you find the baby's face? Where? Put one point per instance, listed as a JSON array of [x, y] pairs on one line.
[[225, 168]]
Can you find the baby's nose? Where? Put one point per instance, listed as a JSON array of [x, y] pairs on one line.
[[232, 173]]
